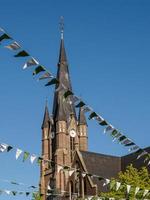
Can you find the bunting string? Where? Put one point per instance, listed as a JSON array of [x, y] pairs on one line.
[[15, 192], [12, 182], [109, 129], [60, 167]]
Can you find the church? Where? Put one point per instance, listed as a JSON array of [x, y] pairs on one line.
[[65, 143]]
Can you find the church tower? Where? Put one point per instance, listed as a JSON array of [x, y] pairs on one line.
[[62, 134]]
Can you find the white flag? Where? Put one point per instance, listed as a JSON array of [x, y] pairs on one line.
[[59, 168], [145, 193], [134, 148], [128, 188], [30, 62], [83, 174], [2, 30], [3, 147], [32, 158], [136, 190], [13, 46], [18, 153], [107, 181], [7, 192], [71, 171], [148, 163], [142, 154], [118, 184], [108, 128]]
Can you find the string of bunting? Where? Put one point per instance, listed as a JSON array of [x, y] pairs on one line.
[[79, 103], [15, 192], [7, 148], [18, 183]]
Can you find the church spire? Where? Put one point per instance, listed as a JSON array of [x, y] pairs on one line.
[[62, 109], [46, 118], [62, 53]]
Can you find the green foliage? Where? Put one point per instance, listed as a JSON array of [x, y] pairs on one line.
[[133, 177], [36, 196]]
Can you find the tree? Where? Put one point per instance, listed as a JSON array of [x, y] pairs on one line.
[[36, 196], [135, 178]]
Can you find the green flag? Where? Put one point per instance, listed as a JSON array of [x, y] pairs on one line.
[[38, 69], [9, 148], [80, 104], [103, 123], [92, 115], [14, 193], [39, 160], [21, 54], [25, 156], [68, 93], [122, 138], [51, 82], [4, 36]]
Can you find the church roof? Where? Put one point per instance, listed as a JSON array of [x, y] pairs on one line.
[[62, 109], [102, 165]]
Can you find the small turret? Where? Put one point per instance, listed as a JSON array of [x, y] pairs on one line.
[[82, 127]]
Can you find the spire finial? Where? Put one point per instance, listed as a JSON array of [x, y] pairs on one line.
[[61, 23]]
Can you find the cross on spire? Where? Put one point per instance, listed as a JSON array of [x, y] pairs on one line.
[[61, 24]]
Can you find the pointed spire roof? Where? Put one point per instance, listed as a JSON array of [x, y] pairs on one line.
[[82, 118], [46, 118], [61, 108]]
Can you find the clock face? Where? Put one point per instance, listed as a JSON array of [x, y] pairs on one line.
[[72, 133], [52, 135]]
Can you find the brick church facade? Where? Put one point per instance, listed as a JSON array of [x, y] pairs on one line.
[[65, 142]]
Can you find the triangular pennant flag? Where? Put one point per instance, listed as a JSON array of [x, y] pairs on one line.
[[107, 181], [21, 54], [103, 123], [9, 148], [32, 186], [83, 174], [30, 63], [18, 153], [32, 158], [14, 193], [51, 82], [13, 46], [3, 147], [75, 99], [148, 163], [25, 156], [116, 136], [136, 190], [118, 184], [142, 154], [145, 193], [108, 128], [80, 104], [68, 93], [71, 171], [27, 193], [130, 144], [92, 115], [112, 184], [14, 183], [59, 168], [128, 188], [7, 192], [123, 137], [39, 160], [126, 141], [39, 69], [87, 109], [4, 37], [46, 75], [134, 148]]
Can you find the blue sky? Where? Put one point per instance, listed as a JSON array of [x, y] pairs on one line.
[[108, 48]]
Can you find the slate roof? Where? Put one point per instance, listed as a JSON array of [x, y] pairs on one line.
[[103, 165], [62, 109]]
